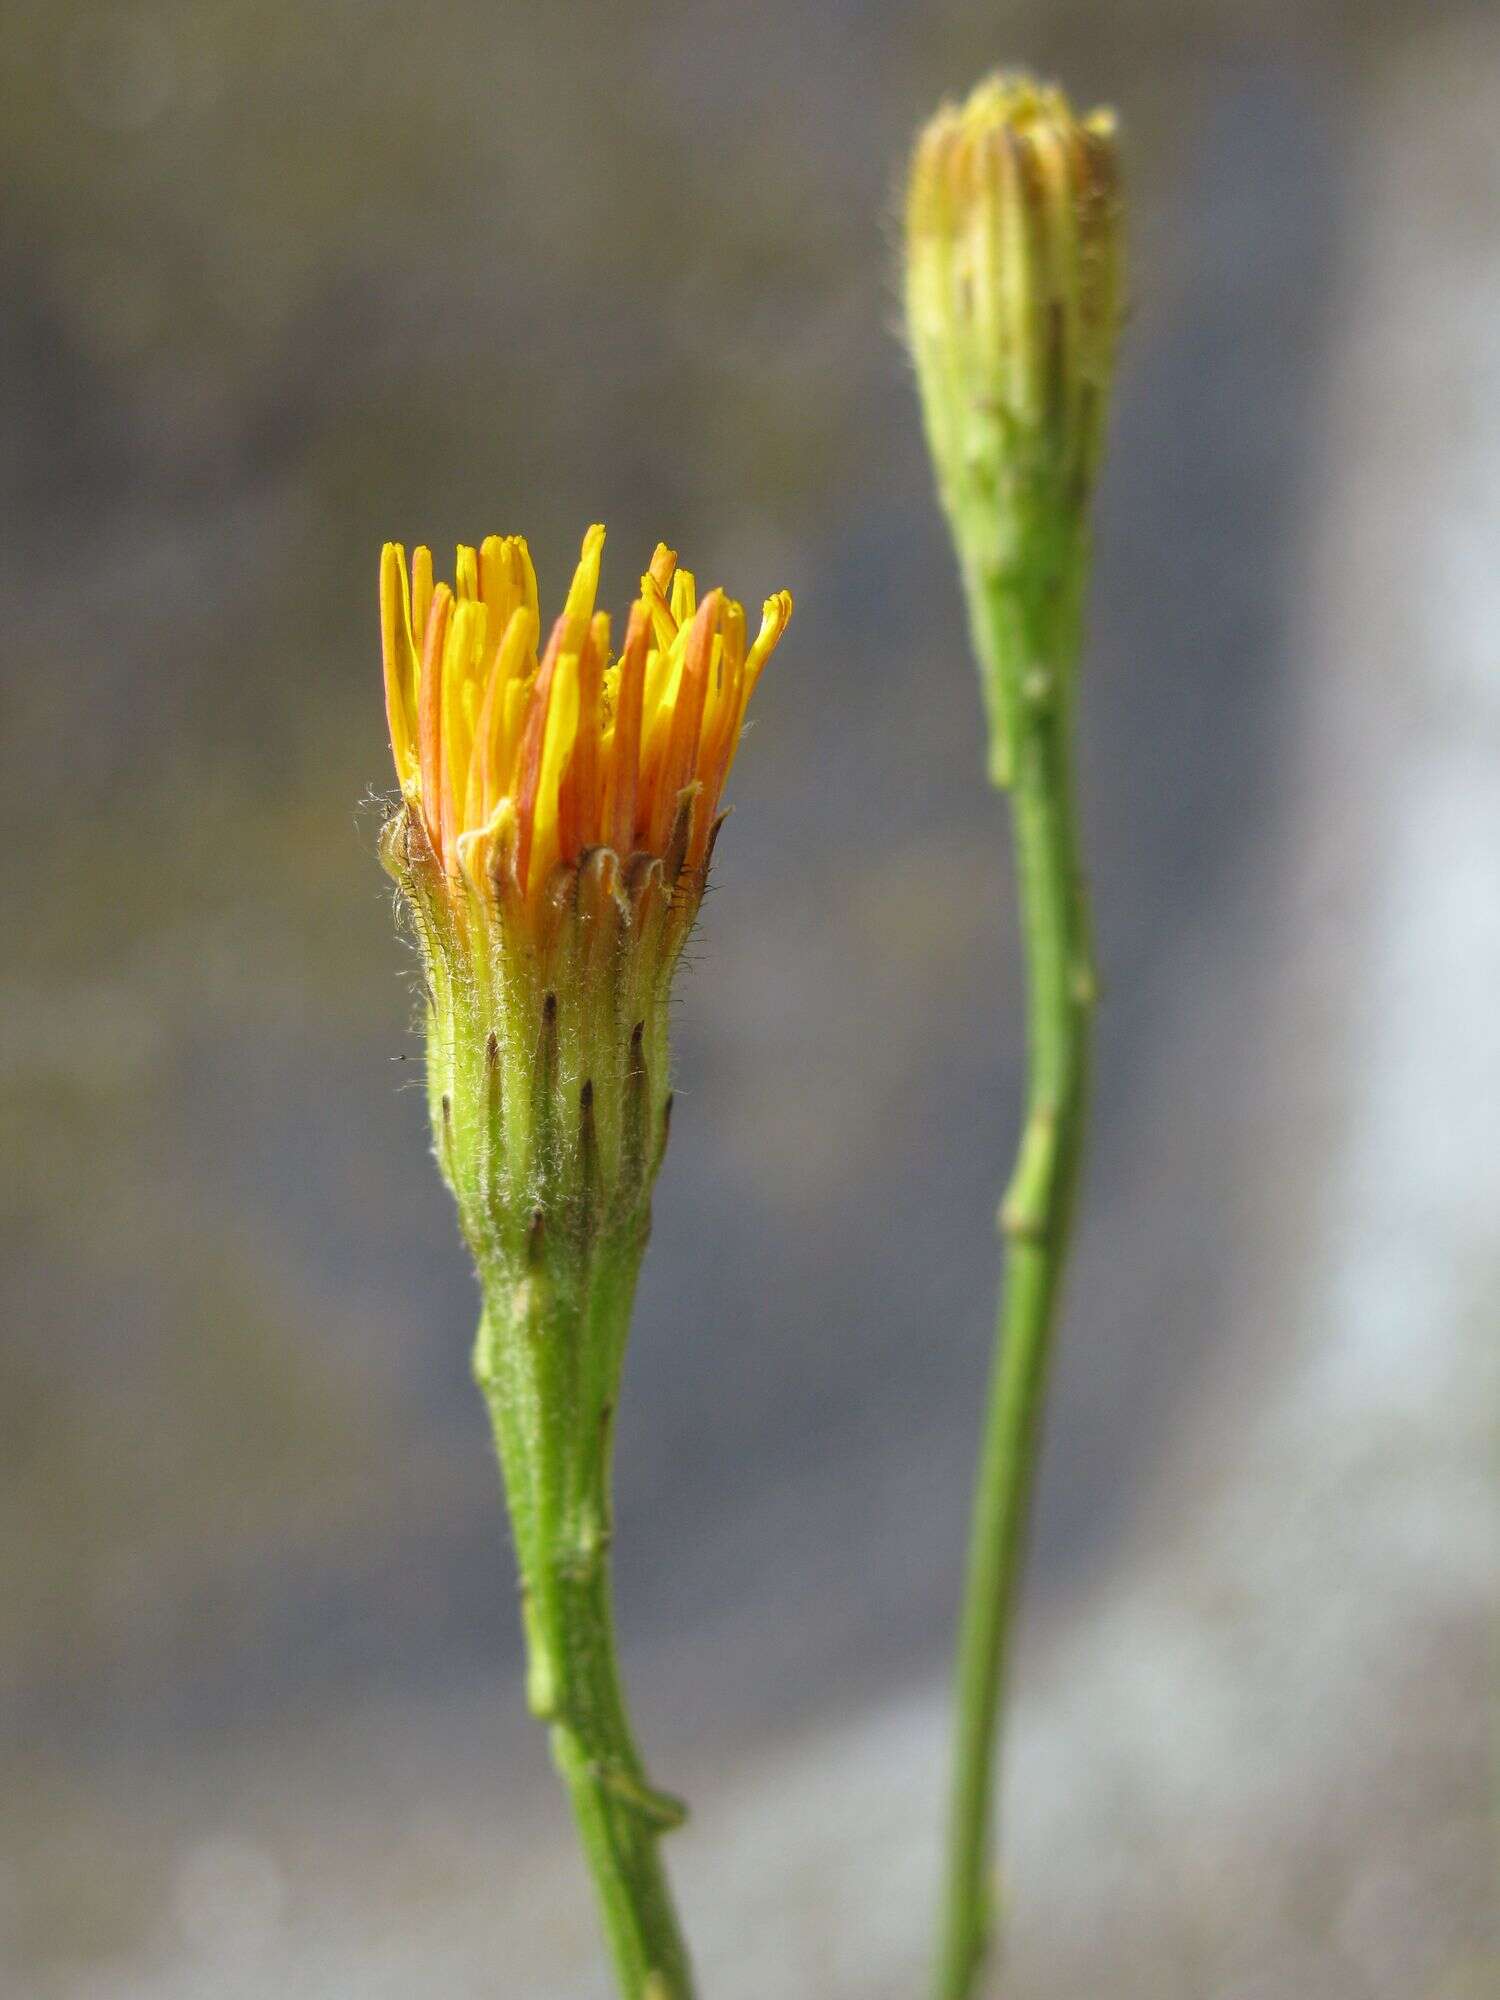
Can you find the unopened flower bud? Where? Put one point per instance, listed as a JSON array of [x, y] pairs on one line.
[[1013, 303]]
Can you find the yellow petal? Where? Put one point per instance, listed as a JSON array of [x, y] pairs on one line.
[[684, 596], [580, 605], [399, 652], [557, 745]]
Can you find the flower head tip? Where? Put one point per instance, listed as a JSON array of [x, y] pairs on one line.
[[1013, 277], [515, 761]]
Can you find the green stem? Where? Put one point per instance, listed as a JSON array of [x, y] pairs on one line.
[[547, 1359], [1030, 641]]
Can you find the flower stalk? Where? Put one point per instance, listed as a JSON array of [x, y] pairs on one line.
[[552, 846], [1012, 291]]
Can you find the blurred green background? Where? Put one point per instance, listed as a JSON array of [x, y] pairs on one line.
[[279, 282]]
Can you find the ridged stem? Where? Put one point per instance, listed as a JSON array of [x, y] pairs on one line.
[[1027, 635], [547, 1360]]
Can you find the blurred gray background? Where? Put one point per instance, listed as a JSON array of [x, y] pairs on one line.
[[279, 281]]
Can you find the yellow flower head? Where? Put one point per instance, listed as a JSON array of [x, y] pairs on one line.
[[515, 763]]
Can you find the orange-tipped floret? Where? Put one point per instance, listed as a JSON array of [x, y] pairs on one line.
[[518, 763]]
